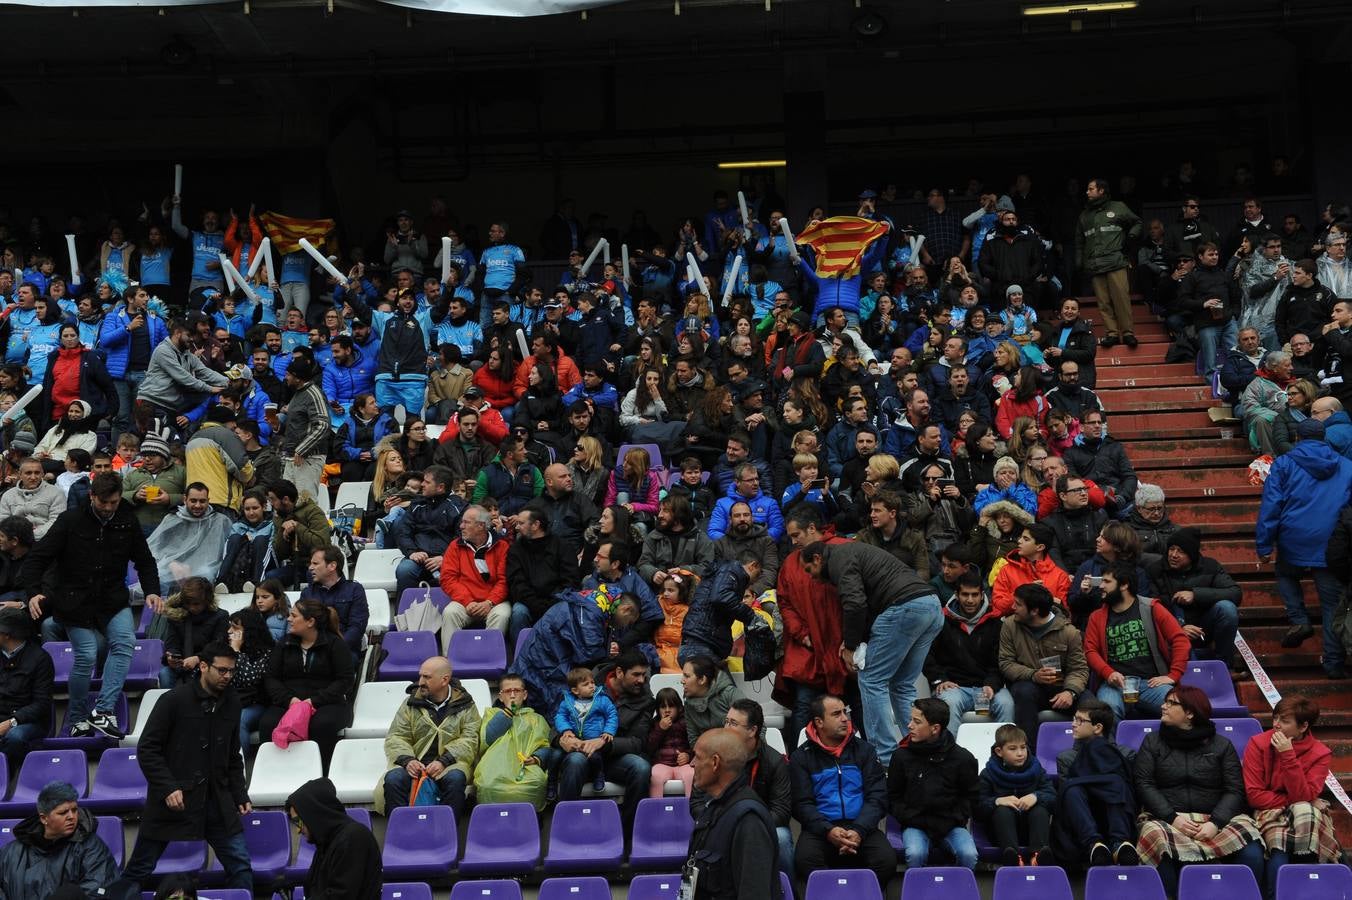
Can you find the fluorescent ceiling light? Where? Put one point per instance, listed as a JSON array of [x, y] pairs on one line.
[[1065, 9], [755, 164]]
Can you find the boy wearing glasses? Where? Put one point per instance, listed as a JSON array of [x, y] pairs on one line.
[[1095, 813]]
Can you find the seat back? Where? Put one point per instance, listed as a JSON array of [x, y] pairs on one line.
[[374, 708], [1032, 883], [147, 657], [1238, 732], [41, 767], [352, 767], [109, 830], [478, 653], [486, 890], [1131, 732], [1123, 883], [63, 659], [654, 454], [277, 772], [119, 773], [583, 829], [658, 681], [268, 836], [148, 701], [1212, 676], [375, 568], [977, 738], [422, 828], [654, 887], [940, 883], [406, 890], [1052, 739], [662, 827], [479, 690], [588, 888], [412, 595], [503, 829], [522, 637], [407, 650], [843, 884], [1217, 882], [353, 493], [1314, 882]]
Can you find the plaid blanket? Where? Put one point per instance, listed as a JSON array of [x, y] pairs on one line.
[[1299, 829], [1161, 840]]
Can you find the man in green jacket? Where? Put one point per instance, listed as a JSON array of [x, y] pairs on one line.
[[436, 734], [1100, 250], [300, 528]]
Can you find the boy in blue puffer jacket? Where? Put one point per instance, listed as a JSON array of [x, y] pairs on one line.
[[589, 715]]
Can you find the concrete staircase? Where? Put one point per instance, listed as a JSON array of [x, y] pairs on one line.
[[1159, 411]]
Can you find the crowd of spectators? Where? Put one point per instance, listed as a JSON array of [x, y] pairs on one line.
[[675, 461]]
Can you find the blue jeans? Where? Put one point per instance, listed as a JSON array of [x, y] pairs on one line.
[[230, 849], [450, 789], [249, 717], [126, 388], [1330, 592], [898, 643], [410, 391], [915, 846], [1221, 623], [521, 620], [18, 741], [630, 770], [963, 700], [784, 838], [121, 634], [1214, 340], [409, 574], [1149, 704]]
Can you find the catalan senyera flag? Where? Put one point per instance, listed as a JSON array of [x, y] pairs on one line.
[[840, 242], [285, 232]]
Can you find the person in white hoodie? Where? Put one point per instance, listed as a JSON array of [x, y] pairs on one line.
[[33, 498]]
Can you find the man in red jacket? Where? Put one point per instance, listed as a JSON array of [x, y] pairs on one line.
[[1135, 645], [474, 576]]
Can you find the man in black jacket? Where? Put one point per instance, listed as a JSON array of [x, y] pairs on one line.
[[86, 552], [1102, 460], [888, 606], [767, 772], [427, 529], [964, 660], [569, 515], [932, 787], [190, 755], [346, 863], [535, 570], [1203, 596], [732, 848], [26, 676], [715, 605]]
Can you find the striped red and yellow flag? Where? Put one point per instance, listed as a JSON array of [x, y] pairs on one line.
[[285, 232], [840, 242]]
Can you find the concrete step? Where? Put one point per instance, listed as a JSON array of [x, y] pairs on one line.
[[1174, 398], [1111, 364], [1187, 454], [1167, 426], [1225, 482], [1224, 514], [1136, 376], [1236, 555]]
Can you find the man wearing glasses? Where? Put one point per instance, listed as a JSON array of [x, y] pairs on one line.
[[746, 488], [1190, 231], [1096, 807], [190, 755]]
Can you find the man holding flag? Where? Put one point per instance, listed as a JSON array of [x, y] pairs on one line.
[[846, 247]]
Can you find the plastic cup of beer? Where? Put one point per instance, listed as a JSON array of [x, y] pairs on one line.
[[1131, 689], [1051, 662], [983, 705], [152, 493]]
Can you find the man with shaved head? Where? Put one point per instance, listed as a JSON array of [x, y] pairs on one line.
[[569, 514], [732, 849], [435, 733]]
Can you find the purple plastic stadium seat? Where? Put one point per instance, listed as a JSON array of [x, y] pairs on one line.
[[587, 888], [843, 884], [1131, 732], [893, 831], [412, 595], [503, 839], [521, 637], [1314, 882], [224, 894], [654, 454], [786, 885], [143, 626], [119, 783], [486, 890], [1213, 676], [940, 883], [420, 842], [408, 650], [478, 653], [42, 767], [1238, 732], [182, 856], [1052, 739], [63, 660], [1123, 883], [95, 742], [656, 887], [406, 890], [662, 827], [1032, 883], [7, 831], [268, 836], [1217, 882], [305, 851], [147, 657], [109, 830], [986, 849], [585, 836]]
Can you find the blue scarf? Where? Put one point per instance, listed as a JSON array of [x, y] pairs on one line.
[[1014, 782]]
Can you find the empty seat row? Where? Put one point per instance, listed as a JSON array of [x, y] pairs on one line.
[[474, 653], [119, 785], [144, 672]]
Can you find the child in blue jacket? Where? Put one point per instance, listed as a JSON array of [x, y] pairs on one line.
[[588, 714]]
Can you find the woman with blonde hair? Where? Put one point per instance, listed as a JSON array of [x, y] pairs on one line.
[[1023, 437], [589, 474]]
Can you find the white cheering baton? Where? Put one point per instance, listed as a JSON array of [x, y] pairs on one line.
[[227, 270], [265, 251], [624, 261], [697, 276], [788, 236], [322, 260], [19, 404], [257, 259], [732, 280], [178, 179], [521, 345], [74, 262], [445, 259], [232, 272], [605, 252], [592, 258]]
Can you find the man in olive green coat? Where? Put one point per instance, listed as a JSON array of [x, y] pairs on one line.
[[1101, 252]]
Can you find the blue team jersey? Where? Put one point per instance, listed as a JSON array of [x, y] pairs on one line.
[[464, 258], [21, 323], [499, 263], [155, 265], [42, 340], [117, 261], [206, 248], [295, 268]]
